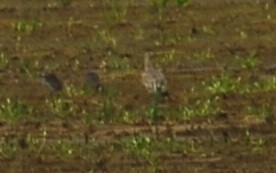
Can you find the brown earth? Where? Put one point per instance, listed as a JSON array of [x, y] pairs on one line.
[[110, 37]]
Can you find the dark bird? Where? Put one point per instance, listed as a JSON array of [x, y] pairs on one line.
[[52, 81], [152, 78], [92, 79]]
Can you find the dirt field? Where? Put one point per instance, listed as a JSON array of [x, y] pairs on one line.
[[219, 59]]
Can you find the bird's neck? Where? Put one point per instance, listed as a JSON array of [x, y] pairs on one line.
[[148, 65]]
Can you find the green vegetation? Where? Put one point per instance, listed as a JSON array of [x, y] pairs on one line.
[[12, 110], [226, 84], [4, 62], [161, 6], [8, 150], [263, 85], [61, 107], [203, 56], [182, 2], [253, 144], [150, 149], [251, 62], [222, 84], [119, 10], [262, 111], [65, 3], [107, 111], [27, 66], [26, 26], [201, 108], [139, 146], [104, 37], [115, 62], [73, 91]]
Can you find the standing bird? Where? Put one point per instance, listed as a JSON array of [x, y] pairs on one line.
[[152, 78], [92, 79], [52, 81]]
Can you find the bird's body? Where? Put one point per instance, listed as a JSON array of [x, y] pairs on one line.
[[52, 81], [92, 79], [152, 78]]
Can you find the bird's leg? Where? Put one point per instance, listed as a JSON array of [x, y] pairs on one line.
[[156, 115]]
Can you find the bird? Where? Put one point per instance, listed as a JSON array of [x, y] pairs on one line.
[[52, 81], [152, 78], [92, 79]]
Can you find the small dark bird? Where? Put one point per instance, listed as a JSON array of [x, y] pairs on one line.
[[52, 81], [152, 78], [92, 79]]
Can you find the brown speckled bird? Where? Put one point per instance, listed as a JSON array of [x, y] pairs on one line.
[[152, 78], [93, 80]]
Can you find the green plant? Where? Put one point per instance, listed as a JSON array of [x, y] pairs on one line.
[[139, 146], [119, 10], [208, 29], [222, 84], [150, 148], [268, 84], [26, 26], [61, 107], [108, 108], [255, 145], [64, 148], [174, 145], [104, 37], [8, 149], [203, 56], [118, 63], [172, 38], [250, 62], [153, 113], [26, 66], [168, 58], [107, 111], [182, 2], [90, 148], [263, 110], [160, 6], [243, 34], [4, 62], [14, 109], [200, 108], [258, 145], [129, 117], [31, 142], [71, 22], [65, 3], [73, 91]]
